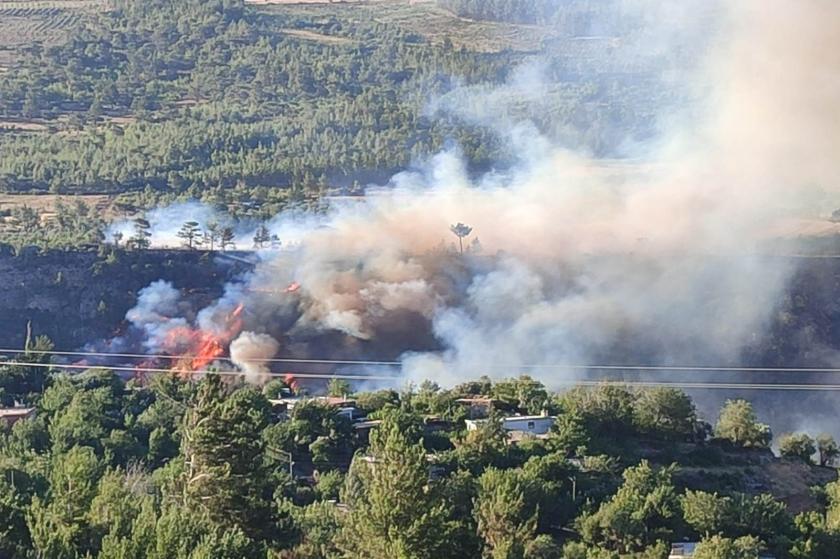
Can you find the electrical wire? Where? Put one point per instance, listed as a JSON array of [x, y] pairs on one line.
[[638, 368], [153, 370], [559, 382]]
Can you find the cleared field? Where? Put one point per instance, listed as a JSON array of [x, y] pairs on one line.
[[437, 25], [293, 2], [22, 126], [423, 18], [45, 203], [307, 35], [24, 22]]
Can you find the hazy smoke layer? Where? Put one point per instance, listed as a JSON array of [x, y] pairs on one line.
[[156, 314], [580, 261], [249, 352]]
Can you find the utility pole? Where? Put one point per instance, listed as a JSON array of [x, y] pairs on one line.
[[289, 456]]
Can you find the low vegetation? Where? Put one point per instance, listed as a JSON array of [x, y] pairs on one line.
[[175, 468], [226, 102]]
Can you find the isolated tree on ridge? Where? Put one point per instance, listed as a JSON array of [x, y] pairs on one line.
[[189, 233], [461, 231], [212, 234], [828, 449], [261, 237], [797, 445], [226, 238], [738, 423], [142, 234]]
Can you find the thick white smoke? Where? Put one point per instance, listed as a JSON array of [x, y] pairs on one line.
[[249, 352], [582, 256], [582, 261], [156, 314]]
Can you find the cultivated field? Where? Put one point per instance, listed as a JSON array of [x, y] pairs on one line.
[[44, 204], [423, 18], [25, 22]]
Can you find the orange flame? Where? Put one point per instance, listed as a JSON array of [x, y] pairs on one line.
[[202, 347], [292, 382]]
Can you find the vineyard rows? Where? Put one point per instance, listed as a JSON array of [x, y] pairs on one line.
[[45, 21]]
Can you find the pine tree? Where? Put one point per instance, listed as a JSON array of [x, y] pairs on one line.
[[226, 238], [504, 521], [189, 233], [394, 513], [223, 449], [461, 231], [211, 235], [262, 236], [142, 234]]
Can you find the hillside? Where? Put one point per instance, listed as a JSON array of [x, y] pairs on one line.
[[289, 99], [78, 297]]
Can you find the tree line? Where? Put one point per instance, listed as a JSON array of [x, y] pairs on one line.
[[186, 97], [174, 468], [212, 93]]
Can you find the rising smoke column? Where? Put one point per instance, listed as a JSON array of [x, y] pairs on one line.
[[249, 352], [660, 258], [583, 261]]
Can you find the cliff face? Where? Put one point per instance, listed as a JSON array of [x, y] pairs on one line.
[[78, 297]]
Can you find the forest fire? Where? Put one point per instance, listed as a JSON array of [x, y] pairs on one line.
[[201, 347], [291, 288]]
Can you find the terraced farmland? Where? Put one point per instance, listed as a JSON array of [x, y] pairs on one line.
[[25, 22], [421, 17]]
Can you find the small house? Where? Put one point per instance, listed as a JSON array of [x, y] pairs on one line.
[[10, 416], [528, 424], [686, 550], [346, 408]]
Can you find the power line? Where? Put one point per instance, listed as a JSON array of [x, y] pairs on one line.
[[153, 370], [560, 382], [568, 366], [189, 356]]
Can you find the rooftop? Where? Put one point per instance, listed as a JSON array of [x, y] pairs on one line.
[[16, 412], [518, 418], [334, 401]]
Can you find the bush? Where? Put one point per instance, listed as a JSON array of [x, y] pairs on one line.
[[665, 412], [738, 424], [797, 446]]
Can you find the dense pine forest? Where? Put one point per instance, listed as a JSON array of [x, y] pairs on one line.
[[167, 467], [256, 108], [194, 98]]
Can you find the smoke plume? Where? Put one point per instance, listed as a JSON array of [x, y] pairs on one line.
[[249, 352], [662, 259]]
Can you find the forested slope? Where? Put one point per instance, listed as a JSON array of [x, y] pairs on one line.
[[193, 98], [170, 468]]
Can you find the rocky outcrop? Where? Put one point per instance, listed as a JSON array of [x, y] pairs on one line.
[[77, 297]]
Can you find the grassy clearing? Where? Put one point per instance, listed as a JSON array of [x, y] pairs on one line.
[[24, 22], [294, 2], [307, 35], [423, 18], [45, 203], [437, 25]]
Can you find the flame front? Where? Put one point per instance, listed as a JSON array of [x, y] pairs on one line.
[[199, 348]]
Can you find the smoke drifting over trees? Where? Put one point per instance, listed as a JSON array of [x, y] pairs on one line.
[[584, 261]]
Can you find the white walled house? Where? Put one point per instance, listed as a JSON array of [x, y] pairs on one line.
[[530, 424], [686, 550]]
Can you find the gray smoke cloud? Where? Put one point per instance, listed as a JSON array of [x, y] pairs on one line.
[[582, 256], [654, 260], [156, 314], [249, 352]]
